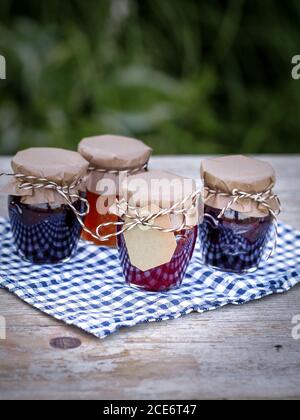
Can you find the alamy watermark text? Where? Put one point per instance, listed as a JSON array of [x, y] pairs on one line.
[[296, 67], [2, 328], [2, 68], [296, 329]]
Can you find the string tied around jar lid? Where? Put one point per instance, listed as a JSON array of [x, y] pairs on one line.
[[30, 182], [136, 218], [261, 198], [133, 171]]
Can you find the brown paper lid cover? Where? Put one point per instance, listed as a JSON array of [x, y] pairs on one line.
[[163, 190], [114, 152], [156, 187], [63, 167], [58, 165], [225, 174]]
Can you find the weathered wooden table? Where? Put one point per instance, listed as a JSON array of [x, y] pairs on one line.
[[234, 352]]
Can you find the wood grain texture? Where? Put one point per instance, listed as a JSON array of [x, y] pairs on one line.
[[234, 352]]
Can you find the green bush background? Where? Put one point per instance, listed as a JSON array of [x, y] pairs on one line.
[[186, 76]]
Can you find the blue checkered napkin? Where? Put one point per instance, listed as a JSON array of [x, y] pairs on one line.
[[89, 291]]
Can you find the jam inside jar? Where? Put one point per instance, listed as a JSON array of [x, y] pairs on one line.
[[44, 233], [94, 219], [235, 242], [165, 277]]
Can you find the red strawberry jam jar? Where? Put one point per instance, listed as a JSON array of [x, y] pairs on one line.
[[46, 205], [157, 230], [111, 159], [239, 230]]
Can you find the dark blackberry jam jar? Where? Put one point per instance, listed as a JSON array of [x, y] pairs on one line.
[[239, 229], [157, 230], [44, 233], [47, 203], [235, 243]]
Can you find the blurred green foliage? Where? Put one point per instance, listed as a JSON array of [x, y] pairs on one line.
[[186, 76]]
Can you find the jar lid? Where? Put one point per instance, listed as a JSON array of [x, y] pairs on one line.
[[159, 190], [57, 165], [155, 187], [114, 152], [63, 167], [223, 175]]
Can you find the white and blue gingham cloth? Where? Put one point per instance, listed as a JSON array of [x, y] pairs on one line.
[[89, 291]]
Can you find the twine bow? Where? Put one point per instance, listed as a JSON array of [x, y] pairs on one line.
[[262, 198], [29, 182], [136, 218]]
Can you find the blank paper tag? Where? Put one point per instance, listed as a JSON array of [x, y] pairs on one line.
[[149, 248]]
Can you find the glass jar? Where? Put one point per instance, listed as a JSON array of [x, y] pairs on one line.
[[165, 277], [111, 159], [44, 233], [157, 229], [239, 229], [46, 203], [94, 219], [236, 242]]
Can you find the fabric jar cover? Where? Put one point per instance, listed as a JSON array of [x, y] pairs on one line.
[[148, 193], [60, 166], [108, 154], [223, 175]]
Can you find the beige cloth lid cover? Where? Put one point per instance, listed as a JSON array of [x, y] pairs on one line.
[[162, 190], [61, 166], [112, 153], [150, 192], [246, 174]]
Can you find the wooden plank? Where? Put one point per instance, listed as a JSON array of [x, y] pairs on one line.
[[235, 352], [230, 353]]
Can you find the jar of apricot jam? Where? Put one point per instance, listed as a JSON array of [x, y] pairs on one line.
[[157, 260], [45, 223], [111, 159], [239, 229]]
